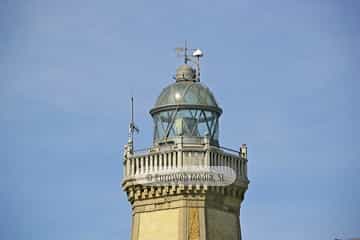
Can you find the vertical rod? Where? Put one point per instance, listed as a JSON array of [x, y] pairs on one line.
[[198, 68], [132, 119], [186, 57]]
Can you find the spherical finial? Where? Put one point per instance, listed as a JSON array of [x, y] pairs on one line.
[[185, 73]]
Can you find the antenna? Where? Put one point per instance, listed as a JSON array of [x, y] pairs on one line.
[[198, 54], [194, 58], [183, 50], [185, 53], [132, 126]]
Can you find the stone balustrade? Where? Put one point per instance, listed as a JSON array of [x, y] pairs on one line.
[[177, 157]]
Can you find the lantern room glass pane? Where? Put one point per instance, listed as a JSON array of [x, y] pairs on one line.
[[186, 123]]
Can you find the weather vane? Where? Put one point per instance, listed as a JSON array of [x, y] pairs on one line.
[[193, 58]]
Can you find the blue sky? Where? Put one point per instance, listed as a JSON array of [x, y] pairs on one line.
[[286, 74]]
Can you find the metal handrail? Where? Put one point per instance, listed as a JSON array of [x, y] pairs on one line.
[[229, 149], [147, 150]]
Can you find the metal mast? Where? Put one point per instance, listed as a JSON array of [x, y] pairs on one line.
[[194, 58], [132, 126]]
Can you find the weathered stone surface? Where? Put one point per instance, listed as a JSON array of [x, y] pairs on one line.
[[222, 225], [158, 225]]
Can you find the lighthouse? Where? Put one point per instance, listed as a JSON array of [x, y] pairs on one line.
[[186, 185]]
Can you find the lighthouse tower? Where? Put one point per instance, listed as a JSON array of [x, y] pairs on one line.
[[168, 202]]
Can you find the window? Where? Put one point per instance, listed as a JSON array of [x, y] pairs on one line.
[[187, 123]]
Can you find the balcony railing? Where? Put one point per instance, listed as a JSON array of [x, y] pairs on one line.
[[152, 160]]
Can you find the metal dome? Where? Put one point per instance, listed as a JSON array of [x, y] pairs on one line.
[[185, 73], [186, 94]]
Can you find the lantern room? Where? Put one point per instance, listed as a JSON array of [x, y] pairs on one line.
[[186, 110]]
